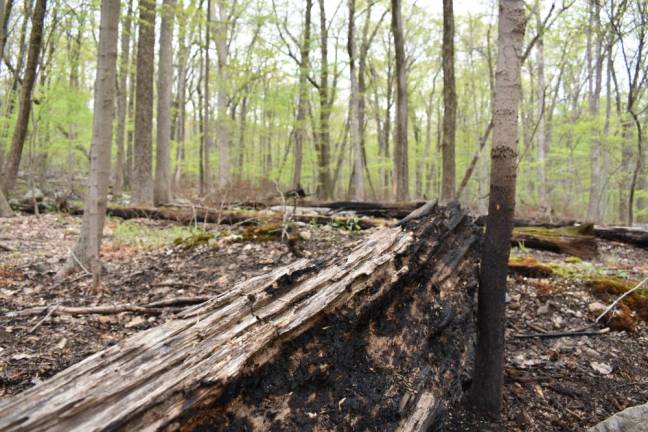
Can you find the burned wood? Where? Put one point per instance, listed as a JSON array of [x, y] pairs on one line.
[[288, 341]]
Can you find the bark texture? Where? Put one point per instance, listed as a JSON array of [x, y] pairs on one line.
[[142, 172], [122, 101], [401, 170], [290, 341], [162, 187], [486, 389], [449, 104], [354, 108], [88, 245]]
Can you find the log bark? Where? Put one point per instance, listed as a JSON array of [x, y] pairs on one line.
[[630, 235], [372, 338]]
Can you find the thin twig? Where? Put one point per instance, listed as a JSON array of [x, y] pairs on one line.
[[45, 318], [609, 308], [74, 257]]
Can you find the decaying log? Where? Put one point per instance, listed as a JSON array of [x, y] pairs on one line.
[[326, 344], [631, 235], [578, 241]]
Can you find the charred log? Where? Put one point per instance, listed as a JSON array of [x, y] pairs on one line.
[[370, 341]]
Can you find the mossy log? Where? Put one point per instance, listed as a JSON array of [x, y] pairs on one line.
[[383, 210], [376, 340], [577, 241]]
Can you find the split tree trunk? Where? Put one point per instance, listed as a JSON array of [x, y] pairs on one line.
[[395, 316]]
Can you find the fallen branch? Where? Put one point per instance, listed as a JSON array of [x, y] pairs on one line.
[[570, 333], [87, 310]]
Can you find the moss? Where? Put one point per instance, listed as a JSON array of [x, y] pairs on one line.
[[566, 231], [195, 239], [529, 266], [573, 260], [266, 232]]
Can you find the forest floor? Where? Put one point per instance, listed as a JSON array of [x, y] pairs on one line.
[[550, 384]]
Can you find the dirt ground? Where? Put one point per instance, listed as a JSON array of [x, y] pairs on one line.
[[551, 384]]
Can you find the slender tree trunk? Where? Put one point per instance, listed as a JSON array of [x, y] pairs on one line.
[[225, 170], [5, 14], [449, 104], [22, 122], [541, 132], [122, 100], [162, 187], [181, 101], [130, 121], [401, 170], [142, 174], [302, 104], [595, 76], [486, 391], [324, 183], [205, 153], [86, 250], [354, 121]]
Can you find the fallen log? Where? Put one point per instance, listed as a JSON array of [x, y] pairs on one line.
[[367, 341], [630, 235], [383, 210], [190, 216], [578, 241]]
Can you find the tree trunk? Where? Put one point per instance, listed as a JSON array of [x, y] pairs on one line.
[[486, 391], [399, 304], [449, 104], [5, 210], [541, 132], [300, 121], [162, 187], [122, 101], [595, 77], [401, 170], [22, 122], [88, 245], [324, 183], [225, 170], [142, 172], [181, 101], [354, 121]]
